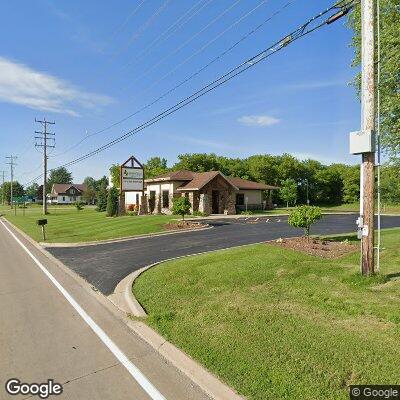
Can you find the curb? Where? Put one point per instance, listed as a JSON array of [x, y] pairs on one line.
[[124, 239], [207, 382]]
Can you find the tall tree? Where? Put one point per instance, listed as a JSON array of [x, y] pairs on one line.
[[18, 190], [32, 190], [288, 191], [389, 64], [58, 175], [155, 166], [115, 174]]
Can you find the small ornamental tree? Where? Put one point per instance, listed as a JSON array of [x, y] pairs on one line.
[[304, 217], [181, 206], [112, 202], [101, 199]]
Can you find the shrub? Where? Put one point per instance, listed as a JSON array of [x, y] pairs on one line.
[[199, 214], [112, 202], [248, 212], [79, 205], [304, 217], [181, 206], [102, 200], [131, 207]]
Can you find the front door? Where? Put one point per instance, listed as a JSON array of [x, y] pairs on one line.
[[215, 202]]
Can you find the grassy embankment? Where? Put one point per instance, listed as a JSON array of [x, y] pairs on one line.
[[278, 324], [67, 224]]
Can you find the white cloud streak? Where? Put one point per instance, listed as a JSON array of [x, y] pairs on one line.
[[258, 120], [20, 84]]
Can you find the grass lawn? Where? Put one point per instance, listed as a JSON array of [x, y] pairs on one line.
[[394, 209], [277, 324], [67, 224]]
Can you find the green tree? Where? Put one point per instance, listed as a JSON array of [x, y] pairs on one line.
[[18, 190], [288, 191], [351, 184], [181, 206], [155, 166], [390, 184], [115, 173], [304, 217], [32, 190], [58, 175], [90, 194], [101, 199], [389, 63], [112, 202]]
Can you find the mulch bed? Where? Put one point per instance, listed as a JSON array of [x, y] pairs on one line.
[[183, 225], [316, 247]]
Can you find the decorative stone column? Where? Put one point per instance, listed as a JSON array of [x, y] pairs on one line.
[[204, 203]]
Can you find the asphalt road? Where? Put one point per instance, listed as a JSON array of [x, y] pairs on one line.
[[43, 336], [105, 265]]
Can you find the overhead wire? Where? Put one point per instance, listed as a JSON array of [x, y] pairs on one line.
[[187, 79], [295, 35]]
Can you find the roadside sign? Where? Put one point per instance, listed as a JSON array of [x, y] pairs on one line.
[[132, 176], [20, 199]]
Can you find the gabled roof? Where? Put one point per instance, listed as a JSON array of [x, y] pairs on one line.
[[197, 180], [60, 188], [201, 179], [181, 175], [245, 184]]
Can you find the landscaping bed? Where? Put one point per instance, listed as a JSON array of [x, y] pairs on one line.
[[317, 247], [275, 323], [175, 225]]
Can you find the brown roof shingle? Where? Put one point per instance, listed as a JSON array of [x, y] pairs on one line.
[[59, 188]]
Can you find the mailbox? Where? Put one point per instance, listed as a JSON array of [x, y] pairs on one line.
[[41, 222]]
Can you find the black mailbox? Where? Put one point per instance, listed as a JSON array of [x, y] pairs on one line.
[[41, 222]]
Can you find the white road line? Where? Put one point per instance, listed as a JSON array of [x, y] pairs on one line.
[[124, 360]]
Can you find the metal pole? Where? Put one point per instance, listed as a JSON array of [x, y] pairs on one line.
[[44, 168], [367, 124]]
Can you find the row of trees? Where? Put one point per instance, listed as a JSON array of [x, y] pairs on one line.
[[322, 184]]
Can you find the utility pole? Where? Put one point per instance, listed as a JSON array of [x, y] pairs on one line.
[[11, 163], [43, 142], [367, 127], [2, 188]]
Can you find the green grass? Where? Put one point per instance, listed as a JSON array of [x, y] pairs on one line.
[[67, 224], [277, 324]]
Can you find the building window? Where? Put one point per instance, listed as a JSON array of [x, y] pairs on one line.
[[165, 198], [63, 198], [240, 199]]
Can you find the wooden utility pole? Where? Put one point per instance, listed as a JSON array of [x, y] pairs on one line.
[[43, 138], [367, 126], [11, 163], [2, 188]]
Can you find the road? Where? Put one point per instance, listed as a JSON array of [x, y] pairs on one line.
[[105, 265], [52, 327]]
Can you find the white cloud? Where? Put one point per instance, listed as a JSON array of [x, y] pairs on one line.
[[258, 120], [315, 85], [20, 84]]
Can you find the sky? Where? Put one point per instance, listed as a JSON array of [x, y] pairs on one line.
[[88, 65]]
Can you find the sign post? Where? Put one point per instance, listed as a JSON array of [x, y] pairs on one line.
[[131, 180]]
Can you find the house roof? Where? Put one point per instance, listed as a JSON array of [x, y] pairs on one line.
[[197, 180], [60, 188], [245, 184], [201, 179]]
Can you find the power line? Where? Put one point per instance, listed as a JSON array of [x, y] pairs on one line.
[[201, 49], [187, 79], [144, 26], [122, 26], [184, 44], [161, 38], [303, 30], [43, 139]]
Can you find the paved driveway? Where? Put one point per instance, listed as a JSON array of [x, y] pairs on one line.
[[105, 265]]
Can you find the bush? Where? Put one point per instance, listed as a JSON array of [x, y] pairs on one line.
[[304, 217], [200, 214], [79, 205], [181, 206], [102, 200], [112, 202], [248, 212]]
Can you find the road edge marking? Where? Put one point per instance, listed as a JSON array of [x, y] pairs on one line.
[[134, 371]]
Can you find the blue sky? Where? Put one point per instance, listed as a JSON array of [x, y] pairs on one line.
[[88, 64]]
